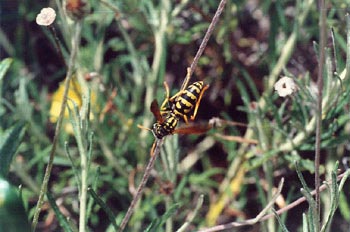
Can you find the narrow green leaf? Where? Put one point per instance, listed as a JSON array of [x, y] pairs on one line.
[[60, 217], [4, 66], [10, 139], [158, 222], [103, 206], [302, 180], [344, 207], [309, 197], [333, 207], [311, 220], [194, 214], [334, 199], [305, 223], [94, 187], [345, 177], [280, 222], [74, 167]]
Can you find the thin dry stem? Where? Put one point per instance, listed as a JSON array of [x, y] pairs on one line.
[[143, 182], [253, 220], [43, 190], [268, 216], [204, 41]]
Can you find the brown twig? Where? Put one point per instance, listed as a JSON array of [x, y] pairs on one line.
[[268, 216], [204, 41], [143, 182]]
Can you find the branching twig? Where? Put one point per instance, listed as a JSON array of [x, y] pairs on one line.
[[268, 216], [253, 220]]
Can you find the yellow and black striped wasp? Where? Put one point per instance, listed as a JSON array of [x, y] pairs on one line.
[[183, 105]]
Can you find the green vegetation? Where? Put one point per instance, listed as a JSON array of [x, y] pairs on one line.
[[106, 61]]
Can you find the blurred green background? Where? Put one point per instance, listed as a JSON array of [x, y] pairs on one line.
[[127, 50]]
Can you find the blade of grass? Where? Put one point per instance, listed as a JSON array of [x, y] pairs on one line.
[[105, 207], [280, 222], [305, 223], [60, 217], [158, 222], [192, 215], [10, 140], [74, 167]]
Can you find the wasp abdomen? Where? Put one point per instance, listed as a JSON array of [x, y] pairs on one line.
[[188, 99]]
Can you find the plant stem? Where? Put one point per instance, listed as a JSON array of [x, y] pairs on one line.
[[322, 22], [84, 176], [159, 143], [75, 45], [205, 41]]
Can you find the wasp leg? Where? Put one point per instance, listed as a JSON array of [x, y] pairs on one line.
[[183, 87], [163, 108], [152, 149], [185, 118], [198, 102], [173, 98], [187, 79], [143, 128]]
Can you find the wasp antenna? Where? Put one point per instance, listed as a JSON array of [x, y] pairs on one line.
[[143, 128]]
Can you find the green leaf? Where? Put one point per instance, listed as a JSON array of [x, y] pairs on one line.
[[280, 222], [305, 223], [13, 216], [303, 182], [60, 217], [344, 207], [105, 207], [10, 139], [4, 66], [158, 222]]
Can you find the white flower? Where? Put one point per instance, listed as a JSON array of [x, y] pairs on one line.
[[285, 86], [46, 17]]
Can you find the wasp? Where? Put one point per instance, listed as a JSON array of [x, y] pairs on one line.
[[178, 106]]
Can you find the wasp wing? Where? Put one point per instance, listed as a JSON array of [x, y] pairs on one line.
[[156, 112], [193, 129]]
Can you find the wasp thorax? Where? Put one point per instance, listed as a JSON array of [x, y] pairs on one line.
[[167, 127], [159, 131]]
